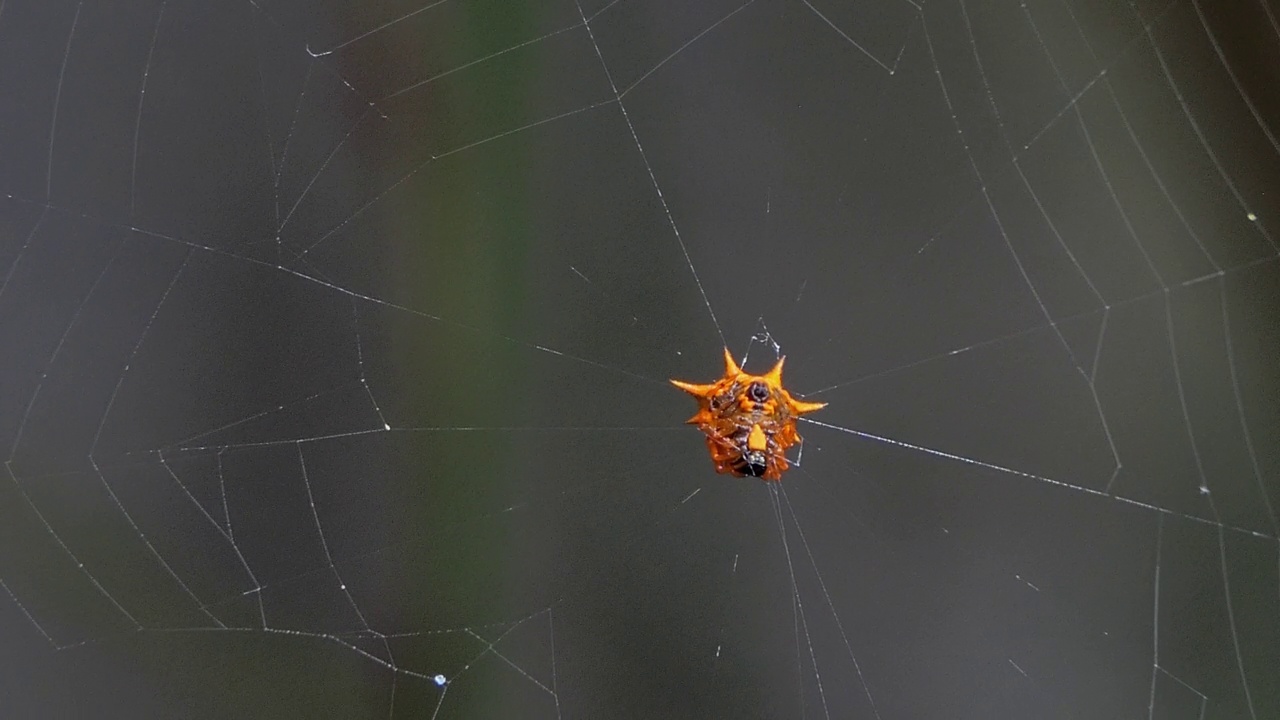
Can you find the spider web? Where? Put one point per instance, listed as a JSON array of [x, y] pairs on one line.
[[336, 338]]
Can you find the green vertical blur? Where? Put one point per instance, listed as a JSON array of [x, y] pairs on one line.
[[468, 243]]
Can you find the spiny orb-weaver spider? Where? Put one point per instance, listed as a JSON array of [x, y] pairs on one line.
[[749, 420]]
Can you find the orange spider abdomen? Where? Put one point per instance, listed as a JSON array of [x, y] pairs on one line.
[[749, 420]]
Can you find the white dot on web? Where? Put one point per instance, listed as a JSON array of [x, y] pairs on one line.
[[440, 680], [1252, 217]]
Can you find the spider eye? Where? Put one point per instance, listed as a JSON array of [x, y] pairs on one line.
[[758, 391]]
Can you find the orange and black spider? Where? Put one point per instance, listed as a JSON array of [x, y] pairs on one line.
[[749, 420]]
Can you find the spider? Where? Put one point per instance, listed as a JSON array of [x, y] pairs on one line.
[[749, 420]]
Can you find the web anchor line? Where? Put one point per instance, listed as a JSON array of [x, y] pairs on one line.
[[644, 157], [822, 584], [1039, 478], [797, 608]]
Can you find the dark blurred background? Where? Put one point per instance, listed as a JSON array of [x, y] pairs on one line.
[[334, 339]]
